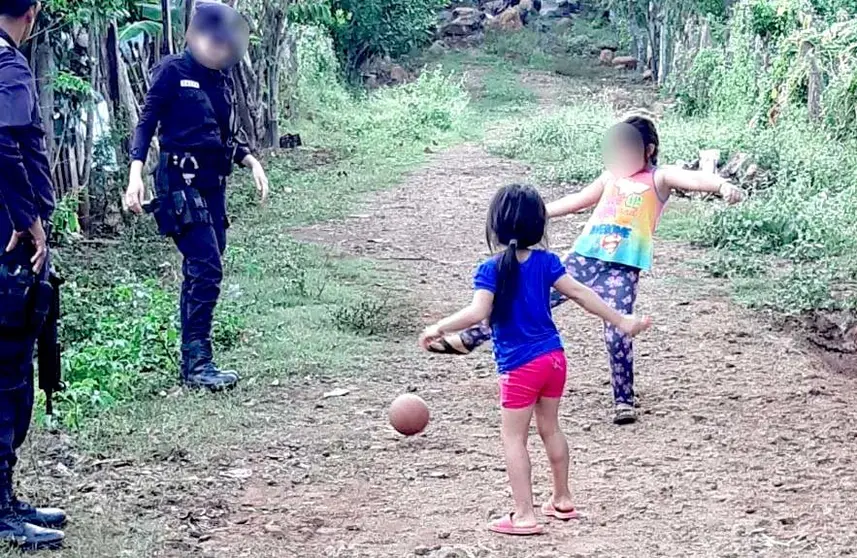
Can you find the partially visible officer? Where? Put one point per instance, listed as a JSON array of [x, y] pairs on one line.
[[191, 99], [26, 205]]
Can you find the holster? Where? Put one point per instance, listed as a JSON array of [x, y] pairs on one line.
[[25, 301], [179, 203]]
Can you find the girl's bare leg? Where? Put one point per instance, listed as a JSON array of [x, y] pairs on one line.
[[556, 447], [515, 431]]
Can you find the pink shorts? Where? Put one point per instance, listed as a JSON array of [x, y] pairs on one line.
[[541, 377]]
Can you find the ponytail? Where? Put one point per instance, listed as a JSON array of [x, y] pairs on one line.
[[508, 270]]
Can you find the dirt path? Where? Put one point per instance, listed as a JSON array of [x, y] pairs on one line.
[[747, 444]]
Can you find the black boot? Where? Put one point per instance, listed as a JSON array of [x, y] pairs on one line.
[[43, 517], [198, 370], [14, 530]]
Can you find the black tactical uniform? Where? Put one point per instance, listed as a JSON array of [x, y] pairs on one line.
[[193, 106], [26, 195]]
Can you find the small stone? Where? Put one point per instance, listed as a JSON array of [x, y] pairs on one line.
[[326, 531], [422, 551], [274, 529], [240, 474], [443, 535]]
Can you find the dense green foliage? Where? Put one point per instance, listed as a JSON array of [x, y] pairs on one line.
[[367, 29], [758, 101]]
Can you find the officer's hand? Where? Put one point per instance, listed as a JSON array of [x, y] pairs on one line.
[[261, 180], [40, 242], [133, 200]]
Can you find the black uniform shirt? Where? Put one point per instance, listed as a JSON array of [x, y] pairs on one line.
[[193, 106], [26, 191]]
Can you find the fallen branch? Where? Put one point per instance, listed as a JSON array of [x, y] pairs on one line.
[[421, 259]]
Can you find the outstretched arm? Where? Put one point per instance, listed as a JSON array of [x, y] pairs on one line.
[[474, 313], [577, 201], [592, 303], [668, 179]]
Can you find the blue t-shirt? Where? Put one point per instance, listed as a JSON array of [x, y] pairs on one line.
[[528, 332]]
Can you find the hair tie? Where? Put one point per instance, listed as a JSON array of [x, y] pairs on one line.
[[513, 243]]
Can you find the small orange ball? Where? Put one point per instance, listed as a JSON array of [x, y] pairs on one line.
[[409, 414]]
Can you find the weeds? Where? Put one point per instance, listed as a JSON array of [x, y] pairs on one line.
[[365, 317]]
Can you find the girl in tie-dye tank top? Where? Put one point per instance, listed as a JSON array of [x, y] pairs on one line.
[[617, 243]]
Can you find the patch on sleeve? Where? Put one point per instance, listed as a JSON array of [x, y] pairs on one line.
[[189, 83]]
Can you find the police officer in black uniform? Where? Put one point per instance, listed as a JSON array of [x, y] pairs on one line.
[[26, 205], [191, 99]]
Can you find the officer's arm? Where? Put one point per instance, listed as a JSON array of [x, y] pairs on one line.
[[241, 152], [16, 109], [160, 93], [32, 145]]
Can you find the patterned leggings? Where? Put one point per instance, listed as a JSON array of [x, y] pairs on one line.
[[617, 285]]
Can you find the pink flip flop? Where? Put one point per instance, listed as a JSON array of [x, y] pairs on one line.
[[506, 526], [550, 511]]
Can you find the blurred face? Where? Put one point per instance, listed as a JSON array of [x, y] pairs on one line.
[[210, 52], [218, 36], [624, 151]]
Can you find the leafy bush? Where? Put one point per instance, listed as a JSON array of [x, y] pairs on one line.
[[383, 28], [117, 342], [772, 19], [120, 332], [694, 94], [318, 87]]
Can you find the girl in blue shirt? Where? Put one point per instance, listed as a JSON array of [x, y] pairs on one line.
[[512, 290]]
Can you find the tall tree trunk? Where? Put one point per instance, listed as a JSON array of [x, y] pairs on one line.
[[188, 12], [814, 89], [85, 160], [663, 54], [705, 35], [652, 28], [45, 71], [167, 19], [275, 25], [246, 102], [289, 73], [111, 65]]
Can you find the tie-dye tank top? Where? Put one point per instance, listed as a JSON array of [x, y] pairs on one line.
[[622, 227]]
